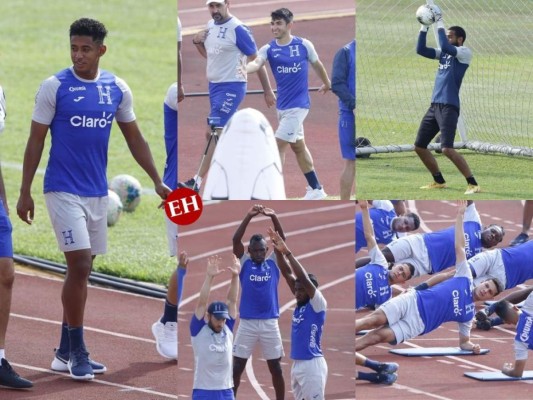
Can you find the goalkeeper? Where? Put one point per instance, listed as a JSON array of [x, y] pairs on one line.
[[443, 112]]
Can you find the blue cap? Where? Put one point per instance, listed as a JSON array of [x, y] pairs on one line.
[[219, 310]]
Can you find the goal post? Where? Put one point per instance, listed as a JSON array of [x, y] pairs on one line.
[[394, 84]]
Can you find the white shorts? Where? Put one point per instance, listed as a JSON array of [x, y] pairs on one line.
[[403, 316], [488, 265], [78, 222], [264, 331], [308, 378], [411, 249], [291, 124], [172, 236]]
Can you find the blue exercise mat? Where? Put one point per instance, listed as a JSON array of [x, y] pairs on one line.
[[435, 351], [497, 376]]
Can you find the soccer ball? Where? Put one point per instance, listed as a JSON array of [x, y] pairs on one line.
[[425, 15], [128, 189], [114, 208]]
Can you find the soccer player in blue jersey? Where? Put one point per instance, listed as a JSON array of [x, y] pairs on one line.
[[227, 44], [386, 223], [343, 85], [523, 319], [259, 306], [211, 331], [8, 377], [289, 57], [443, 114], [78, 105], [433, 252], [419, 312], [373, 281], [309, 370]]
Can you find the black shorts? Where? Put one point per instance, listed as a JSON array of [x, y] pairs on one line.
[[439, 117]]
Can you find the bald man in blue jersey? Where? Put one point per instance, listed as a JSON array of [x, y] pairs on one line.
[[78, 106], [443, 114]]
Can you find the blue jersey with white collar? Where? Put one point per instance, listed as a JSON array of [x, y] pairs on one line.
[[372, 286], [307, 327], [381, 215], [170, 109]]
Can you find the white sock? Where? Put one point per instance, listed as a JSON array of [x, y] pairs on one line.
[[2, 353], [198, 180]]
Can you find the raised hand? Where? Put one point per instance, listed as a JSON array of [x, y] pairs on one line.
[[213, 266], [183, 260]]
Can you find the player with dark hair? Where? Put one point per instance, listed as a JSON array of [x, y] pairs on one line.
[[373, 282], [259, 306], [212, 339], [418, 312], [78, 105], [387, 224], [309, 370], [8, 377], [343, 85], [523, 319], [227, 44], [433, 252], [289, 57], [443, 114]]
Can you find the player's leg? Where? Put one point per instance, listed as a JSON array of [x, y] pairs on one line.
[[427, 131], [272, 349], [245, 340], [527, 216], [346, 129], [347, 180], [384, 372], [274, 366], [309, 377], [373, 320], [381, 335]]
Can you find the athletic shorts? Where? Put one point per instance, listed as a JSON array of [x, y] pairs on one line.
[[308, 378], [439, 117], [202, 394], [6, 230], [263, 331], [78, 222], [225, 98], [403, 316], [488, 265], [347, 134], [172, 236], [411, 249], [291, 124]]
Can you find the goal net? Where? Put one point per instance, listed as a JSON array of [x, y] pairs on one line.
[[394, 84]]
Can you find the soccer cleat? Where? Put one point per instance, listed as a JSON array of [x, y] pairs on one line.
[[60, 363], [387, 368], [434, 185], [79, 366], [471, 189], [10, 379], [522, 238], [482, 315], [484, 325], [190, 184], [315, 194], [166, 338], [387, 379]]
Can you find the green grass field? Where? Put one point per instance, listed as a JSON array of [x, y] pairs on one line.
[[394, 87], [141, 50]]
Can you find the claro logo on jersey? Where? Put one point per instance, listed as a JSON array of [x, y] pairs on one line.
[[259, 278], [92, 122], [456, 308], [296, 67], [524, 336], [368, 280]]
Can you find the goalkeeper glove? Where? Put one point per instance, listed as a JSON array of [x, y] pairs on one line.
[[436, 12]]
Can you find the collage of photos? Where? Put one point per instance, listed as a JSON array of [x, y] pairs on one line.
[[185, 186]]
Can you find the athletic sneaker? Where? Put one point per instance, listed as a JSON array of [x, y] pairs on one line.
[[79, 366], [190, 184], [471, 189], [434, 185], [387, 379], [482, 315], [166, 338], [60, 361], [522, 238], [9, 378], [314, 194], [388, 368], [484, 325]]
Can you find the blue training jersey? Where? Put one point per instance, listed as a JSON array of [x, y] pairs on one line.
[[343, 76], [524, 328], [307, 327], [80, 114], [259, 282], [289, 64], [372, 287], [170, 110], [381, 221], [518, 264], [451, 300]]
